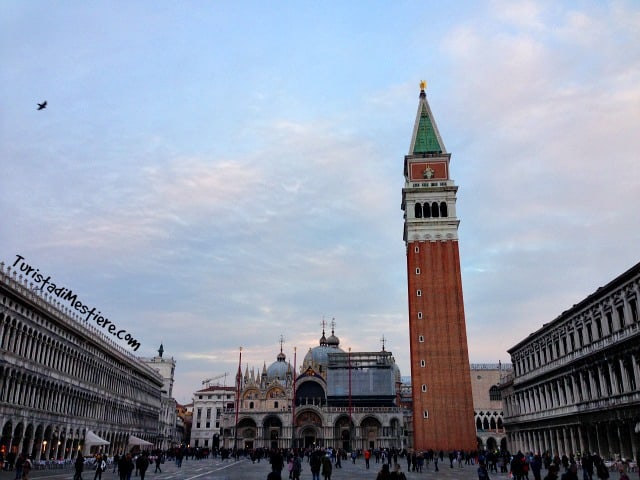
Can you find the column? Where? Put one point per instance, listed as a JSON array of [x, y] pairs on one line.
[[30, 445], [635, 446], [605, 325], [47, 450], [636, 369], [623, 446], [610, 441], [591, 444], [612, 379], [625, 377], [555, 444]]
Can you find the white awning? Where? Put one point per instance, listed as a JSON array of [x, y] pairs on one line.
[[133, 440], [91, 438]]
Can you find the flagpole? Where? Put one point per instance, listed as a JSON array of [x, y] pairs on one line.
[[293, 407], [350, 419], [238, 381]]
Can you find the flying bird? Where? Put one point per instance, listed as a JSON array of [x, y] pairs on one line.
[[42, 105]]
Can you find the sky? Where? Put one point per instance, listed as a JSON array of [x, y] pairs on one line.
[[217, 175]]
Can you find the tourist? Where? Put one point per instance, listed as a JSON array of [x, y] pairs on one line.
[[79, 467], [384, 473], [142, 464], [101, 466], [26, 468], [397, 474], [327, 467]]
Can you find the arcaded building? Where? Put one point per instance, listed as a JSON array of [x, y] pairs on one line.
[[576, 381], [65, 386], [487, 404]]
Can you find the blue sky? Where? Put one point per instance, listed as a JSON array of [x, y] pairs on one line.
[[213, 175]]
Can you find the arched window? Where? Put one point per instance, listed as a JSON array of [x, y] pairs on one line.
[[435, 210], [250, 404], [426, 209], [478, 424], [417, 208], [494, 394], [443, 209], [485, 424], [493, 423]]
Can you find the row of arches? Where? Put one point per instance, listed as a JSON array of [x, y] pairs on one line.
[[611, 317], [32, 391], [431, 210], [54, 442], [489, 423], [309, 430], [55, 373], [613, 375], [49, 350]]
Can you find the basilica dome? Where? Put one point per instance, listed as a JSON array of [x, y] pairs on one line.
[[279, 369], [318, 357]]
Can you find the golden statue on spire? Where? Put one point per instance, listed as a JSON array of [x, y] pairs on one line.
[[423, 85]]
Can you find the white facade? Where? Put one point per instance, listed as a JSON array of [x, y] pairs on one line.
[[61, 378], [208, 407], [167, 433]]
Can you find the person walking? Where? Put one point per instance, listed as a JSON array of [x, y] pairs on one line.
[[397, 474], [327, 467], [315, 464], [126, 467], [483, 473], [26, 468], [142, 464], [101, 466], [158, 461], [384, 473], [18, 465], [79, 466], [296, 468]]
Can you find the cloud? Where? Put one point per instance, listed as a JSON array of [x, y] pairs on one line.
[[549, 157]]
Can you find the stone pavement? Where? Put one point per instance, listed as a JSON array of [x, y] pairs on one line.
[[243, 469]]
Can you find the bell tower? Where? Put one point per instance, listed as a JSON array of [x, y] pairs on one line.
[[443, 417]]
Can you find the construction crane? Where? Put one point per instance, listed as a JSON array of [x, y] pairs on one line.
[[208, 381]]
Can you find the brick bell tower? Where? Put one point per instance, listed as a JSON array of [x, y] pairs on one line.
[[443, 417]]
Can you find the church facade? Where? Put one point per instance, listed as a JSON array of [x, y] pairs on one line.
[[337, 399]]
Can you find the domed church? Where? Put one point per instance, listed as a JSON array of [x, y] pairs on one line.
[[337, 399]]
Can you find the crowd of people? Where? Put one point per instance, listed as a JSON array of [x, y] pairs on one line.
[[290, 463]]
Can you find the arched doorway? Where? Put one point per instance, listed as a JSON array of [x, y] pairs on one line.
[[309, 425], [492, 445], [272, 428], [343, 432], [309, 437], [246, 434], [5, 443], [370, 430]]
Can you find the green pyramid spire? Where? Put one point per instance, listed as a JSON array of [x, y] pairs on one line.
[[426, 138]]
